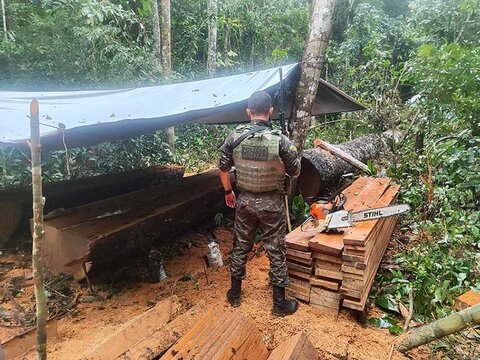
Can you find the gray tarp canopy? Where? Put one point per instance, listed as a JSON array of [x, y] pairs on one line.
[[93, 117]]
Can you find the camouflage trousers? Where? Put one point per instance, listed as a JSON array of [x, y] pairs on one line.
[[267, 211]]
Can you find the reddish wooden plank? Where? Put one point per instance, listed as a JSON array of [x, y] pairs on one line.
[[20, 344], [298, 274], [298, 347], [327, 257], [327, 243], [298, 239], [360, 232], [337, 275], [326, 284], [134, 331], [307, 255], [220, 336], [297, 267]]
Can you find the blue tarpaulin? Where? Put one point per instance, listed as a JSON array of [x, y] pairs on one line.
[[93, 117]]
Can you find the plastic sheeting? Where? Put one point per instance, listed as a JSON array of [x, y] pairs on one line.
[[93, 117]]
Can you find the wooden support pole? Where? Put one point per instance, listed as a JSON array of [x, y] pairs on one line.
[[38, 233], [440, 328]]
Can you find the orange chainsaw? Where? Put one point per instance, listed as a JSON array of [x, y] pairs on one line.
[[332, 215]]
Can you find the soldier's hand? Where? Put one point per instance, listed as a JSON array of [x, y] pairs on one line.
[[230, 200]]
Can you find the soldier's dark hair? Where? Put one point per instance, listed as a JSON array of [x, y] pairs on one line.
[[259, 102]]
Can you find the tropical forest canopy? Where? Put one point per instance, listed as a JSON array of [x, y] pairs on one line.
[[414, 63]]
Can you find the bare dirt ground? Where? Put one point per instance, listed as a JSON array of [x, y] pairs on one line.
[[88, 323]]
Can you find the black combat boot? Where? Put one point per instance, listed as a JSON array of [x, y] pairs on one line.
[[282, 306], [233, 295]]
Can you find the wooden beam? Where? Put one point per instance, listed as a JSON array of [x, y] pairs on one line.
[[298, 347], [220, 335], [134, 331], [20, 344]]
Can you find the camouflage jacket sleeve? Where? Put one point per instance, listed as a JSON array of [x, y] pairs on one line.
[[226, 154], [289, 156]]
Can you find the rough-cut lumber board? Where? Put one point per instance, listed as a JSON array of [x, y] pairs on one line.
[[327, 257], [351, 293], [298, 239], [220, 336], [375, 263], [135, 331], [302, 261], [299, 289], [358, 197], [298, 347], [298, 274], [326, 284], [323, 293], [337, 275], [466, 300], [71, 193], [157, 342], [297, 267], [347, 257], [298, 295], [352, 270], [307, 255], [325, 298], [327, 265], [360, 232], [299, 283], [107, 231], [20, 344], [330, 244]]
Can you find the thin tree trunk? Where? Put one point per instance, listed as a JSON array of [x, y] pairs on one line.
[[157, 44], [4, 16], [440, 328], [167, 58], [166, 38], [212, 36], [312, 61], [38, 233]]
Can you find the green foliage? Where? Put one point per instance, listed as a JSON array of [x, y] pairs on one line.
[[197, 145], [299, 210]]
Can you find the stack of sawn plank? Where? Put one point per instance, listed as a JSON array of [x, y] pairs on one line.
[[332, 269]]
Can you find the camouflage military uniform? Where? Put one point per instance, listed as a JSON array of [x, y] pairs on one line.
[[265, 210]]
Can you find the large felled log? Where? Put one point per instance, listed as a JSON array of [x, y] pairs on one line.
[[108, 231], [440, 328], [322, 171], [16, 203]]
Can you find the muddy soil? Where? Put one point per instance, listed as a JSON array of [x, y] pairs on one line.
[[127, 292]]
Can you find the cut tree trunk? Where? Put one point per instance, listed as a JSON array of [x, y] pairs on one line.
[[38, 233], [312, 62], [105, 233], [212, 36], [322, 171], [157, 44], [440, 328]]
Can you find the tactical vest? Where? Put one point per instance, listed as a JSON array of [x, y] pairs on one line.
[[257, 162]]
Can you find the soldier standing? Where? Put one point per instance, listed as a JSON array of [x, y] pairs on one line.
[[262, 157]]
